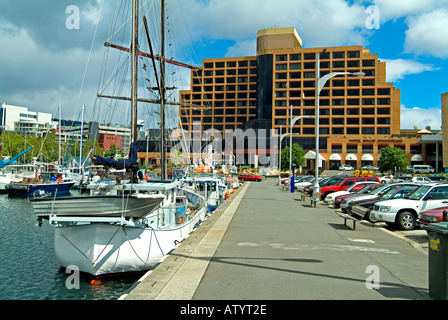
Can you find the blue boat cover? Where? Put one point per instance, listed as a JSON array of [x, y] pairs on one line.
[[130, 163]]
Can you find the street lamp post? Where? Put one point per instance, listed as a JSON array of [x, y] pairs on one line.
[[320, 83]]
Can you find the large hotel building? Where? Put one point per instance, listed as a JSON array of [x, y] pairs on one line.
[[358, 115]]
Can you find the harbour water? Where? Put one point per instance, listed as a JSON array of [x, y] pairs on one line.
[[28, 266]]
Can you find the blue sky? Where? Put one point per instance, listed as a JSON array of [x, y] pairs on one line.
[[42, 63]]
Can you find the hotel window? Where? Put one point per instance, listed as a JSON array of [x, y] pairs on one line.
[[295, 66], [219, 72], [242, 103], [282, 66], [367, 149], [338, 92], [368, 111], [353, 102], [338, 55], [324, 56], [382, 111], [309, 112], [338, 64], [281, 57], [338, 102], [280, 122], [354, 131], [281, 103], [368, 63], [338, 121], [369, 73], [242, 79], [368, 130], [219, 65], [324, 102], [230, 88], [383, 131], [383, 121], [295, 94], [295, 57], [242, 87], [353, 83], [353, 64], [384, 101], [336, 149], [309, 56], [383, 92], [309, 122], [338, 112], [281, 76], [368, 102], [309, 65], [368, 82], [352, 54], [308, 103], [242, 71], [352, 111], [308, 130], [280, 94], [352, 148], [309, 84], [309, 75], [280, 112], [253, 63], [231, 72], [295, 103], [338, 83], [368, 92], [353, 121], [368, 120], [208, 65], [324, 131], [243, 64], [324, 65], [281, 85], [353, 92], [295, 75], [337, 130], [231, 64]]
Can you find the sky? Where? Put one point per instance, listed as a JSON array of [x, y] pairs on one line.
[[51, 52]]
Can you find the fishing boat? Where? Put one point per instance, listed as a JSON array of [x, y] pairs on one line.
[[127, 224], [47, 182]]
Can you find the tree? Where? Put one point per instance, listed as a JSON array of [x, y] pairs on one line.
[[298, 157], [392, 159]]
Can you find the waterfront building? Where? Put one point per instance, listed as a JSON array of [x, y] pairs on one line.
[[358, 116]]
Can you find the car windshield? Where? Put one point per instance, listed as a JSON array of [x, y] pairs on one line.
[[418, 193], [367, 188], [374, 190], [388, 194]]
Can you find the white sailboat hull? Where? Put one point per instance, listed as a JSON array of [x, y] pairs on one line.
[[102, 248]]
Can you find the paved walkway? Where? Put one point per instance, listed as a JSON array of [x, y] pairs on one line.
[[265, 244]]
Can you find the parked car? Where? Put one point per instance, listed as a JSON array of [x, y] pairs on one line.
[[421, 180], [387, 179], [437, 177], [369, 168], [362, 210], [404, 212], [346, 167], [307, 182], [249, 177], [431, 216], [344, 184], [348, 203], [329, 199], [328, 182], [422, 168], [339, 199]]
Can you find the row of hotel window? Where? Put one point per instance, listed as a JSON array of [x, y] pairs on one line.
[[335, 121], [323, 56], [326, 65]]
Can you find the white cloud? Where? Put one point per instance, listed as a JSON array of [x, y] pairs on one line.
[[319, 23], [394, 9], [397, 69], [421, 118], [428, 34]]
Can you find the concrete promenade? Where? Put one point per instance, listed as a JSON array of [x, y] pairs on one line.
[[266, 244]]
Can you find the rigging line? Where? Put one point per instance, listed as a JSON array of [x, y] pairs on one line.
[[88, 59]]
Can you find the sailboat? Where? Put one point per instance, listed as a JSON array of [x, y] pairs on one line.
[[125, 225]]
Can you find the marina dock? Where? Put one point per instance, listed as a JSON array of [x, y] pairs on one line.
[[265, 243]]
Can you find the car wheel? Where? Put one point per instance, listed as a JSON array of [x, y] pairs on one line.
[[370, 218], [405, 220]]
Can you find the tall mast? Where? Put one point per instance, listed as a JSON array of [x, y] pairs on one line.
[[162, 92], [134, 49]]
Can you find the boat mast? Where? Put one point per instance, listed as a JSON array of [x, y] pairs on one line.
[[134, 49], [162, 92]]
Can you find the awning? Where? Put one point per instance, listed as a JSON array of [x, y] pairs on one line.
[[417, 158], [351, 157], [335, 157], [367, 157], [311, 155]]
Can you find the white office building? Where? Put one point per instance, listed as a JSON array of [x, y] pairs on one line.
[[23, 121]]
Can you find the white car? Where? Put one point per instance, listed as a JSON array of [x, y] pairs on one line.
[[357, 186], [421, 180], [404, 212], [346, 167], [386, 179]]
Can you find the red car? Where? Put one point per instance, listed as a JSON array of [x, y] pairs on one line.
[[431, 216], [249, 177]]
